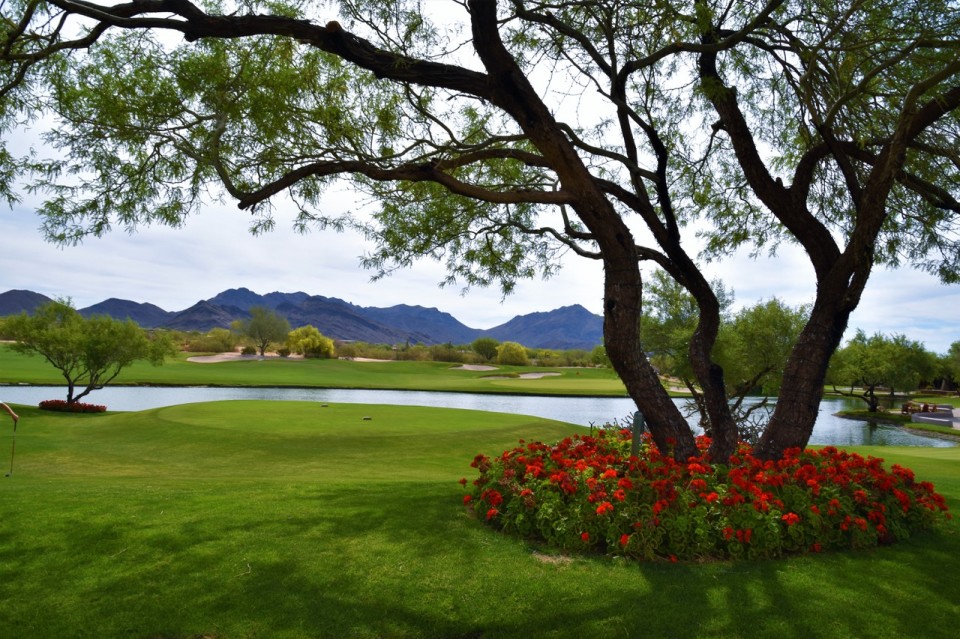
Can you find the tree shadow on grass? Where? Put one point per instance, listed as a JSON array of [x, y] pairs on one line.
[[404, 560]]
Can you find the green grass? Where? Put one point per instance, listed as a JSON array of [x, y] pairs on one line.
[[289, 520], [314, 373]]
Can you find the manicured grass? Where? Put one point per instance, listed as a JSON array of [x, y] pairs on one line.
[[399, 375], [287, 519]]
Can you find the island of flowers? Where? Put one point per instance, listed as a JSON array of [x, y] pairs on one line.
[[74, 407], [587, 493]]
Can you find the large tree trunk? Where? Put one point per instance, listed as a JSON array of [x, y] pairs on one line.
[[802, 389], [621, 332]]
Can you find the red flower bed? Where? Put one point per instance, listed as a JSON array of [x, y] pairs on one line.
[[75, 407], [587, 493]]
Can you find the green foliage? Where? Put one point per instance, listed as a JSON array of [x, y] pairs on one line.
[[895, 363], [264, 328], [89, 352], [485, 347], [512, 354], [598, 356], [310, 342], [217, 340]]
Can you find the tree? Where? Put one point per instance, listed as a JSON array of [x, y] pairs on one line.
[[263, 328], [879, 361], [500, 134], [310, 342], [753, 346], [485, 347], [89, 352], [512, 354]]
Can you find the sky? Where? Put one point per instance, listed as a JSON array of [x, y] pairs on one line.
[[213, 252]]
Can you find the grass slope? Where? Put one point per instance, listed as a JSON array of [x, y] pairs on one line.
[[289, 520], [401, 375]]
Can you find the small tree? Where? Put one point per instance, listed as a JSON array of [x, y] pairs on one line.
[[485, 347], [89, 352], [263, 328], [878, 361], [310, 342], [512, 354]]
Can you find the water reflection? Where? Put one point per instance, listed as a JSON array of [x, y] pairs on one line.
[[829, 429]]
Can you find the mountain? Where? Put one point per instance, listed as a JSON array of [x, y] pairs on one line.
[[338, 319], [442, 328], [16, 301], [146, 315], [561, 329], [245, 299], [204, 316], [564, 328]]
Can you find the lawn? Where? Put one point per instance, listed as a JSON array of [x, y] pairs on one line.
[[325, 373], [288, 519]]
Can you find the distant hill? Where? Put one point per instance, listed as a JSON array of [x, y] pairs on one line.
[[148, 315], [15, 302], [561, 329], [564, 328], [203, 316]]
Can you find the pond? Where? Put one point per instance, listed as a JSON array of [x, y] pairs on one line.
[[585, 411]]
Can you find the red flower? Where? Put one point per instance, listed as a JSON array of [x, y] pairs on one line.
[[791, 518], [467, 499], [624, 540], [585, 537], [493, 512], [604, 508]]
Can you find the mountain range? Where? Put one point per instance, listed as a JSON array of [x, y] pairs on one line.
[[564, 328]]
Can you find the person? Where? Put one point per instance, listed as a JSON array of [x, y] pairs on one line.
[[15, 417]]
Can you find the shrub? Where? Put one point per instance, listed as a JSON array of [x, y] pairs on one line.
[[587, 494], [76, 407], [218, 340], [248, 350], [512, 354]]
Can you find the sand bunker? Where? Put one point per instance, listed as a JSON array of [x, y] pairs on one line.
[[523, 376]]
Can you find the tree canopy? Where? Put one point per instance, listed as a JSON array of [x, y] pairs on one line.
[[263, 328], [495, 135], [894, 362], [88, 351]]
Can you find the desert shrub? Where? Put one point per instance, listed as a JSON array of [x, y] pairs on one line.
[[248, 350], [512, 354], [217, 340], [309, 342], [447, 353]]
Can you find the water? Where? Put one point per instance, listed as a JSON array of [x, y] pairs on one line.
[[585, 411]]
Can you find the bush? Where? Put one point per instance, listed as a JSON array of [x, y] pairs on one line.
[[218, 340], [512, 354], [76, 407], [587, 494], [248, 350]]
